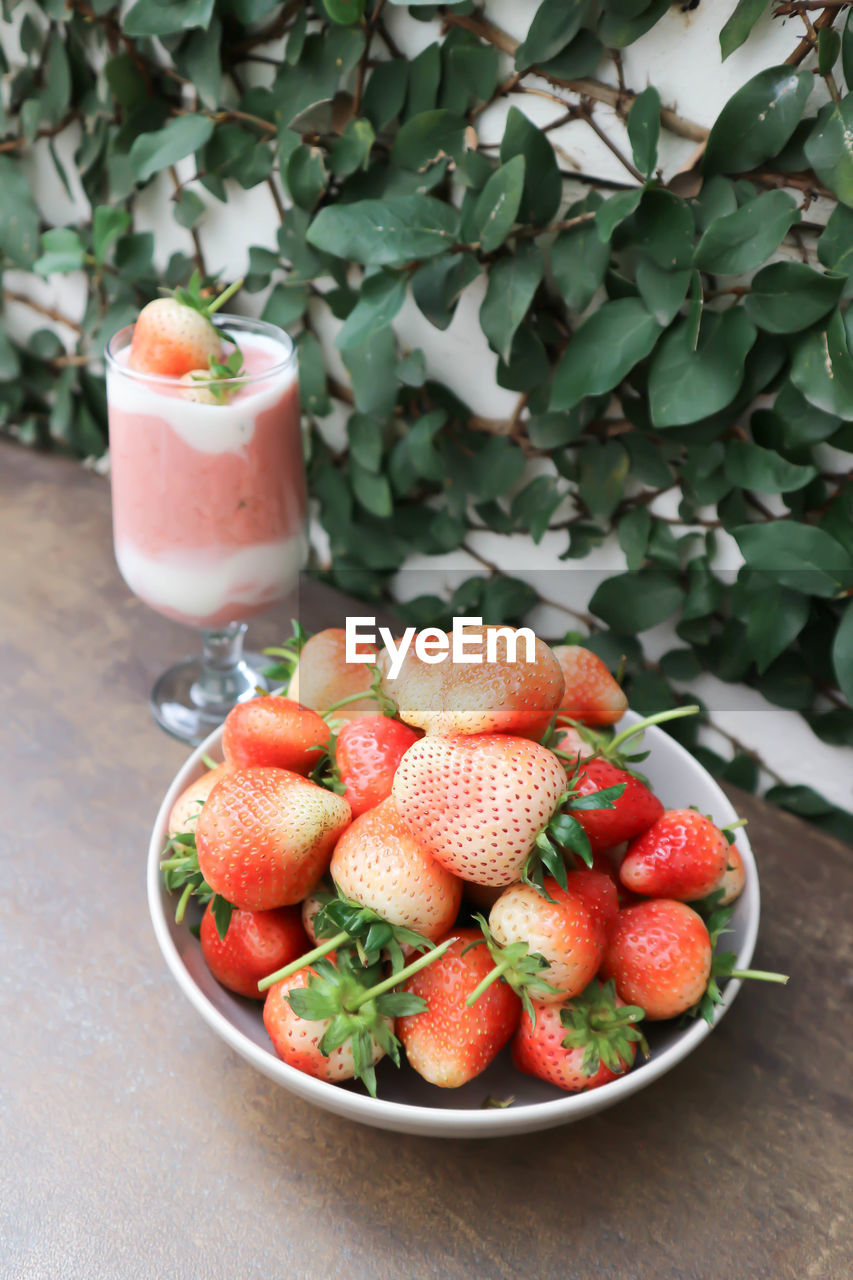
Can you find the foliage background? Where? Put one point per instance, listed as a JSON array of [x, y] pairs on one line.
[[689, 336]]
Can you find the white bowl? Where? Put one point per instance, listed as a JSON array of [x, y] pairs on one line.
[[406, 1102]]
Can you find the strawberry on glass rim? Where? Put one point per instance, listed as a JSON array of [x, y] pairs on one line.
[[208, 487]]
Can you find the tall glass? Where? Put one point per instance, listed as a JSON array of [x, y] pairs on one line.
[[209, 501]]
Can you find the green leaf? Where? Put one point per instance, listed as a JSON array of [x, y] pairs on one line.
[[603, 351], [775, 617], [847, 51], [512, 283], [56, 95], [107, 225], [351, 151], [662, 291], [346, 12], [633, 533], [152, 152], [382, 295], [739, 25], [835, 246], [436, 286], [284, 305], [622, 24], [313, 391], [555, 23], [200, 61], [788, 296], [615, 210], [385, 232], [371, 370], [62, 251], [306, 176], [386, 92], [758, 120], [644, 130], [635, 601], [602, 472], [763, 470], [580, 58], [534, 506], [799, 556], [427, 137], [579, 261], [19, 217], [498, 203], [372, 491], [802, 423], [828, 49], [663, 228], [829, 148], [842, 653], [822, 368], [686, 385], [166, 17], [543, 186], [744, 240]]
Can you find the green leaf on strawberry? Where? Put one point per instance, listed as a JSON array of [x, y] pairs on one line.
[[181, 871], [287, 655], [515, 965], [604, 1029]]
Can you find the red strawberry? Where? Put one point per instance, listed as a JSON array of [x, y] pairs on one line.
[[634, 811], [447, 697], [297, 1040], [733, 879], [562, 931], [682, 855], [597, 891], [187, 807], [265, 836], [323, 677], [659, 954], [450, 1043], [378, 863], [479, 803], [367, 753], [273, 731], [591, 694], [256, 943], [582, 1044]]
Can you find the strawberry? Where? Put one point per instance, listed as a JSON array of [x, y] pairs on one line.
[[591, 694], [682, 855], [272, 730], [634, 811], [174, 336], [335, 1020], [313, 904], [559, 928], [582, 1044], [254, 943], [266, 836], [450, 1043], [323, 678], [367, 753], [378, 863], [517, 697], [597, 891], [659, 955], [479, 803], [186, 809], [733, 880]]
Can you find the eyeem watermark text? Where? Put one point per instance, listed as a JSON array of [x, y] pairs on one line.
[[433, 645]]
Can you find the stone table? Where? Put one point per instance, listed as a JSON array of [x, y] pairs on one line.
[[135, 1144]]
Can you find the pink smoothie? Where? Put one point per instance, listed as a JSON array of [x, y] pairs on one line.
[[208, 499]]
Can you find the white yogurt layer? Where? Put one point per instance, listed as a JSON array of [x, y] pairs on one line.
[[199, 585], [209, 428]]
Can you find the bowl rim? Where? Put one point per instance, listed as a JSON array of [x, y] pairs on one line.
[[435, 1121]]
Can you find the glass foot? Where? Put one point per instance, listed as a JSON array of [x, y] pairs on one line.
[[190, 700]]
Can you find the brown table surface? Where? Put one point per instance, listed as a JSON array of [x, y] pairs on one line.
[[135, 1144]]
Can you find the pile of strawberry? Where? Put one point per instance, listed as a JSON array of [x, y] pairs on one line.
[[448, 862]]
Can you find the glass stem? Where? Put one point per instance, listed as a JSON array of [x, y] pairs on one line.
[[225, 678]]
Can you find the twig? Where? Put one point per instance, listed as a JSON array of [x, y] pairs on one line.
[[59, 317], [611, 146]]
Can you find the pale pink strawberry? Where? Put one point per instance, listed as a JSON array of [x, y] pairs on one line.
[[478, 803], [563, 931], [733, 880], [378, 863], [591, 694]]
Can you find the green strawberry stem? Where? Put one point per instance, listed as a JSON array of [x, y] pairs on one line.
[[180, 910], [396, 978], [223, 297], [672, 713], [351, 697], [761, 975], [310, 956], [483, 986], [209, 762]]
